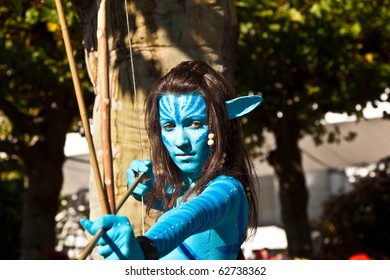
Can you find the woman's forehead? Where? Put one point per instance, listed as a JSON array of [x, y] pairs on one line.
[[179, 105]]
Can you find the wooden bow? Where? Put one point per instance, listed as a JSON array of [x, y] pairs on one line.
[[83, 113], [105, 105], [106, 193]]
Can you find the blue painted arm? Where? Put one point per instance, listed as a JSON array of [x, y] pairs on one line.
[[118, 242], [222, 203], [222, 198]]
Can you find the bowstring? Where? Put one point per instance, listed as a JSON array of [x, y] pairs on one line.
[[137, 105]]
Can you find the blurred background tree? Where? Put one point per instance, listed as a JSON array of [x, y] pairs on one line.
[[11, 188], [308, 58], [37, 109], [357, 222]]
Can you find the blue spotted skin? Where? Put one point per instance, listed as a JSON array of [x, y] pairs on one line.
[[184, 131], [212, 225]]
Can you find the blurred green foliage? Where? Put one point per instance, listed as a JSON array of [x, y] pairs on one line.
[[33, 63], [308, 58], [36, 100], [358, 221], [311, 57]]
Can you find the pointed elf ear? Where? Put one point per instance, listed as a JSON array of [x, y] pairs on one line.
[[241, 106]]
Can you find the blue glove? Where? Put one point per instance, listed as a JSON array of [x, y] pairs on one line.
[[118, 241], [140, 166]]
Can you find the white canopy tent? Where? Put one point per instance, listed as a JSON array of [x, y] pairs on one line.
[[269, 237]]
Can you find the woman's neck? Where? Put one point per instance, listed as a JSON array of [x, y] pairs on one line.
[[189, 180]]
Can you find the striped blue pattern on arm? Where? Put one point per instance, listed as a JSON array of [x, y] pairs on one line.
[[223, 199]]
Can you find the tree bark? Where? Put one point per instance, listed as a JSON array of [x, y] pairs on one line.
[[293, 194], [40, 205], [43, 162], [163, 33]]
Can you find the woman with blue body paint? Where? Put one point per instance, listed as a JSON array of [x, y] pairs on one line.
[[200, 175]]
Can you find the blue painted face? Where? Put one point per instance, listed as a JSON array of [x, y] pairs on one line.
[[184, 131]]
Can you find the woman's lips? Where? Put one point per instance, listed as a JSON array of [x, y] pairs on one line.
[[184, 156]]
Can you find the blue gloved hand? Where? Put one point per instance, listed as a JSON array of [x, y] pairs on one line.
[[138, 166], [118, 241]]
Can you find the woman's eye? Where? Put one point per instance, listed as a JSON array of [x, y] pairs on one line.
[[196, 124], [168, 126]]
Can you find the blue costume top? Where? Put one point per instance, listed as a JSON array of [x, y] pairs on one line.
[[209, 226]]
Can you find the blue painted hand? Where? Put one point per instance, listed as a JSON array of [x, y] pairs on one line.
[[136, 167], [118, 241]]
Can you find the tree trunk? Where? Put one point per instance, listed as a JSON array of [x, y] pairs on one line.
[[40, 205], [293, 194], [43, 163], [163, 33]]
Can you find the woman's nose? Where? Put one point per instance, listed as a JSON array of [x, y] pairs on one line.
[[181, 137]]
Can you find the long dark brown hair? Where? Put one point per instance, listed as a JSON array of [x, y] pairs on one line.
[[197, 76]]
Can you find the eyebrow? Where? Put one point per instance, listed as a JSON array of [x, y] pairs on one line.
[[196, 117]]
